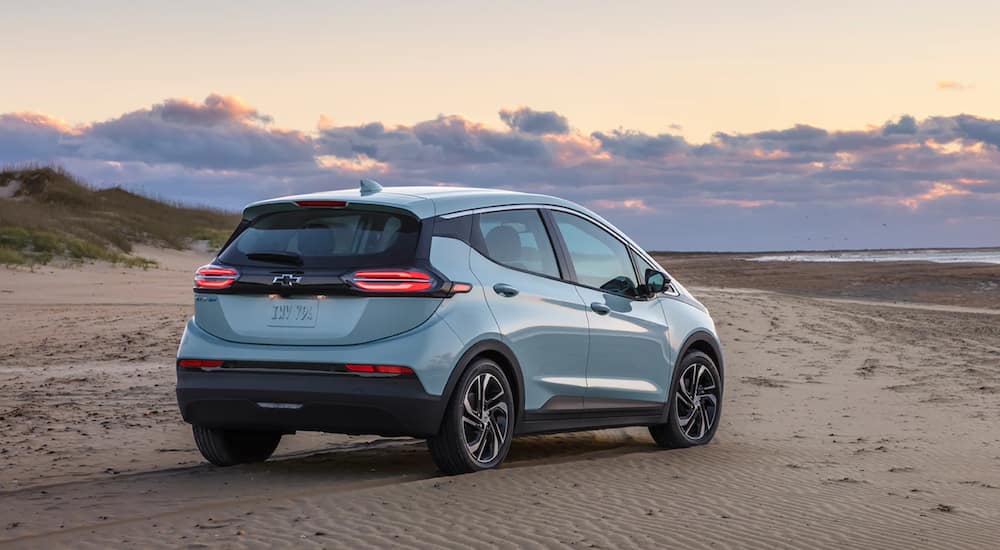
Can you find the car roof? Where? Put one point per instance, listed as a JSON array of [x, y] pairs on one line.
[[423, 202], [430, 201]]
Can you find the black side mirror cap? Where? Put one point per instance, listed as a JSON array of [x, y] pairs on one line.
[[656, 282]]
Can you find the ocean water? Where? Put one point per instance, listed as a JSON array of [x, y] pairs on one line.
[[944, 256]]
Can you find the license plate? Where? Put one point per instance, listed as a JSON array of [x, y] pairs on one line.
[[292, 313]]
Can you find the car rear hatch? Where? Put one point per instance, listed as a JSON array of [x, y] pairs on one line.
[[320, 273]]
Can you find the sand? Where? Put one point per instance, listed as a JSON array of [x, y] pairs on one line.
[[846, 424], [960, 284]]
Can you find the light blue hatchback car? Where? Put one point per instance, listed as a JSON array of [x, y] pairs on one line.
[[463, 316]]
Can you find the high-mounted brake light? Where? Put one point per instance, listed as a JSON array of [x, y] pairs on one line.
[[380, 369], [199, 363], [215, 276], [321, 204], [392, 281]]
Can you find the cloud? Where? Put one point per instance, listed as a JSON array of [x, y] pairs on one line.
[[530, 121], [221, 133], [978, 129], [216, 109], [906, 125], [933, 179], [32, 137], [628, 204], [448, 139], [938, 191], [634, 145], [952, 86]]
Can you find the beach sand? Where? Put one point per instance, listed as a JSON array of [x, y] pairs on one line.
[[845, 425]]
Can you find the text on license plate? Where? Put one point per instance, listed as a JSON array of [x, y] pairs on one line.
[[292, 313]]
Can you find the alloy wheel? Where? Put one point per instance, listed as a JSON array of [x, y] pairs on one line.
[[697, 401], [485, 418]]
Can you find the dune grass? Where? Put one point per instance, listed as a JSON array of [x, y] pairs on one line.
[[52, 215]]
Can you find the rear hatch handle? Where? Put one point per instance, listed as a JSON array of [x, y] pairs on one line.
[[505, 290]]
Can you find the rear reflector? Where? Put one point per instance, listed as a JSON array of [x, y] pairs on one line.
[[360, 368], [321, 204], [393, 369], [392, 281], [457, 288], [215, 276], [199, 363], [381, 369]]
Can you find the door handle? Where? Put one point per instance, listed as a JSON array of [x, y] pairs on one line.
[[505, 290], [600, 309]]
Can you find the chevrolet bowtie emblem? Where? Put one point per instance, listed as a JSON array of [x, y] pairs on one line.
[[286, 280]]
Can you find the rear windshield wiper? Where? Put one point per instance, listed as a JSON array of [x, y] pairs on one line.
[[276, 257]]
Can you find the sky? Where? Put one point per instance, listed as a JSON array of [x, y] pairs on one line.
[[717, 126]]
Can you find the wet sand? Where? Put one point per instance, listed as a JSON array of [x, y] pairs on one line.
[[845, 424]]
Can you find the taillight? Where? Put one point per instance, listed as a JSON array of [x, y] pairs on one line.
[[381, 369], [215, 276], [321, 204], [199, 363], [390, 280]]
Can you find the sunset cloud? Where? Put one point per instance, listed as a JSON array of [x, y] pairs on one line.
[[735, 190], [446, 140], [222, 132], [951, 86], [33, 137], [629, 204], [529, 121], [937, 191], [634, 145]]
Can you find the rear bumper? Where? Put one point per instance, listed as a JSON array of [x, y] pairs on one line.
[[321, 401], [328, 402]]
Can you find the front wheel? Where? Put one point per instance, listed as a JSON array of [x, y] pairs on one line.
[[231, 447], [478, 424], [695, 404]]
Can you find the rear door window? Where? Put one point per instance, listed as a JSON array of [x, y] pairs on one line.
[[324, 238], [517, 239]]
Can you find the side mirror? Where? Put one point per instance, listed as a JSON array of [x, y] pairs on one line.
[[656, 282]]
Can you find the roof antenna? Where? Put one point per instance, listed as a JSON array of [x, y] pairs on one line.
[[370, 187]]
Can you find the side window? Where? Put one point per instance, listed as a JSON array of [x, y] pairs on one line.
[[641, 266], [517, 238], [599, 259]]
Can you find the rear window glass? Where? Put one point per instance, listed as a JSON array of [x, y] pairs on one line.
[[327, 239]]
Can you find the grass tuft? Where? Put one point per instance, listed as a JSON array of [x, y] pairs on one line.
[[9, 256]]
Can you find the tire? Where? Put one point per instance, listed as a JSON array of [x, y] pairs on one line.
[[690, 421], [475, 438], [230, 447]]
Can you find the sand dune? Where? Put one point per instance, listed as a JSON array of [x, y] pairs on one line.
[[845, 425]]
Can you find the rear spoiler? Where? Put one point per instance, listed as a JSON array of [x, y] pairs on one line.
[[257, 210]]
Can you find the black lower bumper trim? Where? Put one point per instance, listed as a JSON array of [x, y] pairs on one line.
[[288, 402]]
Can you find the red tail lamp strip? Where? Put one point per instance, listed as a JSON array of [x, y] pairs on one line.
[[380, 369], [321, 204], [199, 363], [214, 276], [392, 281]]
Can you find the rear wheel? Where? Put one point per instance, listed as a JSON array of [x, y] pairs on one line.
[[695, 404], [230, 447], [478, 424]]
